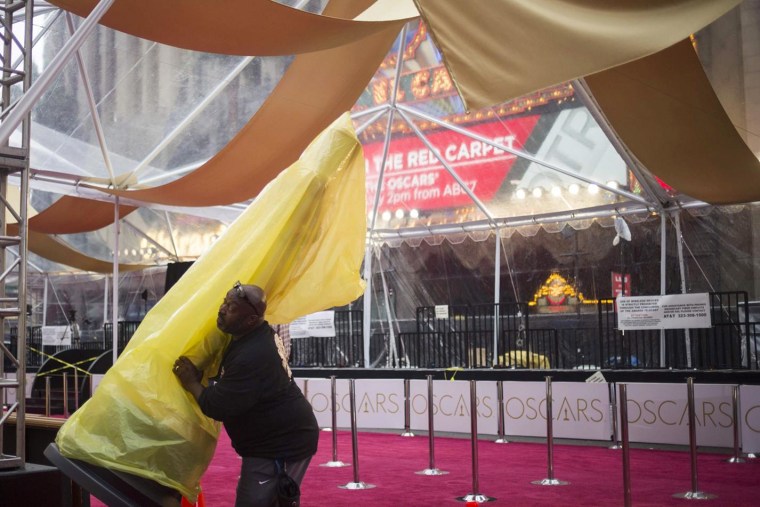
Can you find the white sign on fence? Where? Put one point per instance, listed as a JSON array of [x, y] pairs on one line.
[[319, 324], [56, 335], [674, 311]]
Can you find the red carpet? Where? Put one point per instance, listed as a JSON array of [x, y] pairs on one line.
[[506, 470]]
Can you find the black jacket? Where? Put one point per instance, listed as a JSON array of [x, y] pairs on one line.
[[263, 410]]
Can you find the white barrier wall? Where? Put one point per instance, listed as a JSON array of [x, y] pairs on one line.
[[658, 413], [749, 401]]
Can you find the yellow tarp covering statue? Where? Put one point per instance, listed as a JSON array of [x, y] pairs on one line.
[[301, 240]]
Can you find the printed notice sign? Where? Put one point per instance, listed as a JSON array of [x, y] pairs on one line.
[[441, 311], [56, 335], [319, 324], [674, 311]]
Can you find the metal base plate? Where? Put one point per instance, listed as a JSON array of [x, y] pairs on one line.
[[357, 485], [736, 459], [334, 464], [501, 441], [475, 497], [431, 471], [695, 495], [550, 482], [407, 434]]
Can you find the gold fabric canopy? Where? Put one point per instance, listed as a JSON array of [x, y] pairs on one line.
[[71, 214], [497, 50], [288, 120], [666, 112], [232, 27]]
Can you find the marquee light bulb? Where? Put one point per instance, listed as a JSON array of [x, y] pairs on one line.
[[520, 194], [573, 188]]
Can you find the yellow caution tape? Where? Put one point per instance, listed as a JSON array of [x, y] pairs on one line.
[[64, 363]]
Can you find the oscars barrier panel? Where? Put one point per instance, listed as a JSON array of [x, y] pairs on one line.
[[657, 413]]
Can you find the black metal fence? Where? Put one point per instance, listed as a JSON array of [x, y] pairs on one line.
[[507, 335], [465, 337], [346, 348]]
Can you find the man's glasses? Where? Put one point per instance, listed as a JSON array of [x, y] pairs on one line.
[[240, 292]]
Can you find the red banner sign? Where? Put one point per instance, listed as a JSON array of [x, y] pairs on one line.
[[414, 178], [621, 284]]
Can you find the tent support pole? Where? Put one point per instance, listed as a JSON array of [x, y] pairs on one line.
[[367, 323], [115, 287], [663, 279], [496, 297], [682, 271]]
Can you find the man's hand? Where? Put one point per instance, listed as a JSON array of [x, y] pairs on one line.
[[189, 376]]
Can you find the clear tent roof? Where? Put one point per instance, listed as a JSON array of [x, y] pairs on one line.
[[133, 110]]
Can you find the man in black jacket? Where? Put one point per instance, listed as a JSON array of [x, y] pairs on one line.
[[263, 410]]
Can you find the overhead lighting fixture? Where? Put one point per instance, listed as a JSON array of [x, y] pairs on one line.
[[386, 216], [574, 188], [537, 192], [556, 191], [399, 213], [593, 189], [520, 193]]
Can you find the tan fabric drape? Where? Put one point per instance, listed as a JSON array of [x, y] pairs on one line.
[[55, 250], [497, 50], [666, 112], [70, 215], [317, 88], [232, 27]]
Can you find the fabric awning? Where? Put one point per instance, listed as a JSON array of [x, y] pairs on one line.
[[71, 214], [56, 250], [285, 124], [235, 27], [666, 112], [498, 50]]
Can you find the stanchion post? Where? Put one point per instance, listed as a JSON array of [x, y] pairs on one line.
[[736, 458], [475, 496], [694, 494], [47, 395], [625, 445], [613, 411], [65, 394], [501, 437], [431, 470], [76, 390], [335, 463], [407, 410], [550, 479], [356, 484]]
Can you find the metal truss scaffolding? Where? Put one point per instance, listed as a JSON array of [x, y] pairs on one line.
[[16, 62]]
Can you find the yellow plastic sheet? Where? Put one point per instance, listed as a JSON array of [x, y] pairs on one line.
[[302, 240]]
